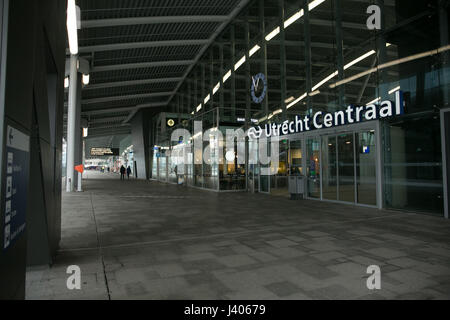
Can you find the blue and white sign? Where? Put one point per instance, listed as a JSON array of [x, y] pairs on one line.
[[15, 185]]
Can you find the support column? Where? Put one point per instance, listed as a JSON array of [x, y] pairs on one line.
[[222, 89], [308, 71], [203, 75], [179, 104], [189, 97], [382, 55], [71, 123], [247, 76], [211, 76], [262, 26], [78, 150], [283, 86], [195, 91], [247, 101], [233, 76], [340, 52]]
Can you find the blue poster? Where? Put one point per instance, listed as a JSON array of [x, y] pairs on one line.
[[16, 184]]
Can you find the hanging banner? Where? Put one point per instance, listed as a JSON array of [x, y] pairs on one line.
[[15, 185]]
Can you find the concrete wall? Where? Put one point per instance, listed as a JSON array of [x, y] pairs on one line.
[[34, 97]]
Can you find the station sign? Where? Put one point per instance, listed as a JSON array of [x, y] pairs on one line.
[[99, 152], [323, 120]]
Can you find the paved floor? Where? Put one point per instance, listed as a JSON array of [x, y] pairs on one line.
[[147, 240]]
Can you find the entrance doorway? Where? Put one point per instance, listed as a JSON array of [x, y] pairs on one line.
[[340, 164], [290, 164], [445, 138]]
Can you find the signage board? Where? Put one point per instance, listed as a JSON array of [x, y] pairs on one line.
[[98, 152], [15, 185], [323, 120]]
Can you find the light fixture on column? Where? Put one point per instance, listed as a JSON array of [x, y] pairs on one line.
[[72, 26], [85, 79], [66, 82], [85, 132]]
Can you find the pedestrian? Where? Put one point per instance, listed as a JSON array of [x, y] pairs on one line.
[[128, 172], [122, 173]]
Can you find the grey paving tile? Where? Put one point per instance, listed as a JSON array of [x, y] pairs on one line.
[[195, 247], [283, 289]]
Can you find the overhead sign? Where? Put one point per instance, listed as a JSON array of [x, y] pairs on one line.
[[104, 152], [322, 120], [15, 185]]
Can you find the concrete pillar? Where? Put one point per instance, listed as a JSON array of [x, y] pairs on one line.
[[71, 123], [78, 150], [262, 26]]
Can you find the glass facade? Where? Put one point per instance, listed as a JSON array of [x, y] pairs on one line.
[[321, 56]]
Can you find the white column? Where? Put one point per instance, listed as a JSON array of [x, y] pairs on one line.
[[71, 120]]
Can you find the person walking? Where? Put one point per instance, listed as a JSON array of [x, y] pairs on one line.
[[128, 172], [122, 173]]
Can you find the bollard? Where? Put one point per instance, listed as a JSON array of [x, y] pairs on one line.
[[79, 182]]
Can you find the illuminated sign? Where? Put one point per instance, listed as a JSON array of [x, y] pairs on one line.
[[258, 90], [323, 120], [104, 151]]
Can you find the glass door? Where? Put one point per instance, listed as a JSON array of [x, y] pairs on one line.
[[329, 168], [295, 158], [313, 167], [366, 177], [264, 176], [279, 178], [346, 167]]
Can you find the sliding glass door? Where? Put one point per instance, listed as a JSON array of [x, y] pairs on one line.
[[344, 168]]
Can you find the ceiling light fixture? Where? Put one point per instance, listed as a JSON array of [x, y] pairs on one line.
[[72, 26]]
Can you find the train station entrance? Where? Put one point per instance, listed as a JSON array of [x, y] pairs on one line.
[[339, 164]]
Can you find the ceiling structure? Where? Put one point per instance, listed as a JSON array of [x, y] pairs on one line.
[[145, 53], [141, 51]]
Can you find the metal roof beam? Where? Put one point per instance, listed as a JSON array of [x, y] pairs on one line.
[[145, 44], [130, 83], [142, 65], [237, 9], [126, 97], [98, 23], [123, 109]]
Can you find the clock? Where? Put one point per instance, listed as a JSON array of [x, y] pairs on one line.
[[259, 88]]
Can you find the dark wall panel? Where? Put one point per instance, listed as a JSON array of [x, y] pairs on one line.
[[34, 79]]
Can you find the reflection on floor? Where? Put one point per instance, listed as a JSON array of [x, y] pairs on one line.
[[146, 240]]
